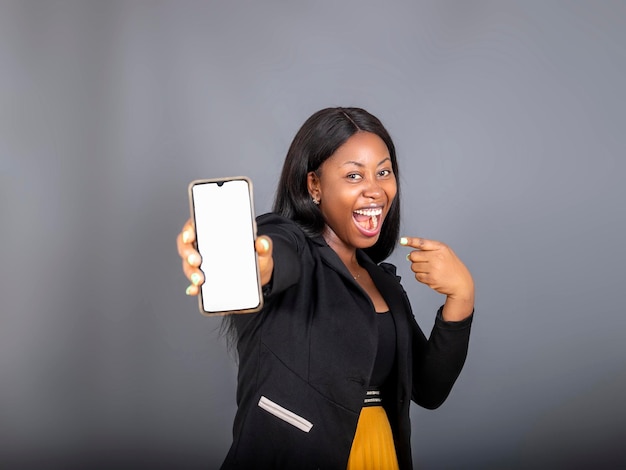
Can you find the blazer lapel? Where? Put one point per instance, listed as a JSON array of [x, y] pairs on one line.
[[331, 259]]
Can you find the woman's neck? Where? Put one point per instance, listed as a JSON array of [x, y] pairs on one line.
[[346, 253]]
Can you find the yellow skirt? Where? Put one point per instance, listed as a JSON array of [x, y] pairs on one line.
[[373, 447]]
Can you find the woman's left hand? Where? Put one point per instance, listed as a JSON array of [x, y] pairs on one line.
[[436, 265]]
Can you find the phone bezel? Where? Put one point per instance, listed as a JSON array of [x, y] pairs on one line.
[[254, 235]]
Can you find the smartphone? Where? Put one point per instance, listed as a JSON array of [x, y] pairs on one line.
[[223, 214]]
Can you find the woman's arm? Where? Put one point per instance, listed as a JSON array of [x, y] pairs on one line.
[[438, 360], [287, 244]]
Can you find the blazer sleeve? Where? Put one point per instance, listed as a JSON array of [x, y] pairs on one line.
[[438, 360], [288, 242]]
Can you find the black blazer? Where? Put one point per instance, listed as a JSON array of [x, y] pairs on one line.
[[305, 360]]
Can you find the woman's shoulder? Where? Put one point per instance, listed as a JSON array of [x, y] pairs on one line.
[[386, 267], [272, 222], [271, 218], [389, 269], [278, 227]]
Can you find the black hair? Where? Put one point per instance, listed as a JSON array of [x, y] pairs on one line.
[[318, 138]]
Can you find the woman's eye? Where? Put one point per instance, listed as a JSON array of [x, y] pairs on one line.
[[354, 176], [384, 173]]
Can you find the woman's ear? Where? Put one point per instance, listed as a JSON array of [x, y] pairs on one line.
[[313, 185]]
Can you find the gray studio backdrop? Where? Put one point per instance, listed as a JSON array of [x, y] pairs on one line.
[[509, 121]]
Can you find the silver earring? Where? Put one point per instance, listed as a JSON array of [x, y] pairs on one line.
[[315, 201]]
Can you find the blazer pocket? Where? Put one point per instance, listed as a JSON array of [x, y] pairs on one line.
[[284, 414]]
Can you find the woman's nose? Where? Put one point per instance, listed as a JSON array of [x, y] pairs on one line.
[[372, 189]]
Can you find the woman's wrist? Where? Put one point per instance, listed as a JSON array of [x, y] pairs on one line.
[[458, 308]]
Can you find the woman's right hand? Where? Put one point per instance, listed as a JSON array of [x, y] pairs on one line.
[[185, 242], [191, 259]]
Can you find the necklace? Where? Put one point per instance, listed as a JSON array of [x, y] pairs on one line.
[[358, 275]]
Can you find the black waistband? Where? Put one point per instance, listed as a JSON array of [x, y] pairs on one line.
[[373, 398]]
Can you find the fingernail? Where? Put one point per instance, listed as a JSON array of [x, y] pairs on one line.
[[195, 279], [404, 241], [193, 259], [188, 290], [408, 257], [186, 236], [265, 244]]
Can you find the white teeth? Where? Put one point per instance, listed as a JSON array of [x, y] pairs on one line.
[[369, 212], [373, 214]]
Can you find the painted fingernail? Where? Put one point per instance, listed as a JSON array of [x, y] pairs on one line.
[[265, 244], [408, 257], [186, 237], [404, 241], [193, 259], [188, 290], [195, 279]]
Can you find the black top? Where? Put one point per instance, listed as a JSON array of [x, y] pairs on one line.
[[386, 352], [306, 359]]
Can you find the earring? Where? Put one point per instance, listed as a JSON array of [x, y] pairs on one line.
[[315, 201]]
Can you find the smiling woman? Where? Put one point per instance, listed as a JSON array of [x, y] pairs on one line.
[[322, 137], [359, 184], [328, 367]]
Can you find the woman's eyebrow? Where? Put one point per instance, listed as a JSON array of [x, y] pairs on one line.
[[359, 164]]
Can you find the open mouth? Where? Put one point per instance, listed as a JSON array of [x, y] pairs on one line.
[[368, 219]]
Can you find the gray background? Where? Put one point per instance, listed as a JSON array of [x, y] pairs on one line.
[[509, 120]]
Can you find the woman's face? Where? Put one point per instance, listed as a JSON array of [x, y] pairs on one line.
[[355, 187]]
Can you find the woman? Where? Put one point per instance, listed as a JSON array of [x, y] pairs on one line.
[[327, 369]]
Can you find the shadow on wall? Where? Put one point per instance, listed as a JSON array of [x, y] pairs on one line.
[[581, 433]]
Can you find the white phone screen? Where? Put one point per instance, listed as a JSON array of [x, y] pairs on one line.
[[223, 214]]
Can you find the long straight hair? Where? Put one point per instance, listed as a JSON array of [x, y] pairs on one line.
[[317, 140]]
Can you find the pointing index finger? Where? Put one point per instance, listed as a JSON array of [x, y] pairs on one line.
[[419, 243]]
